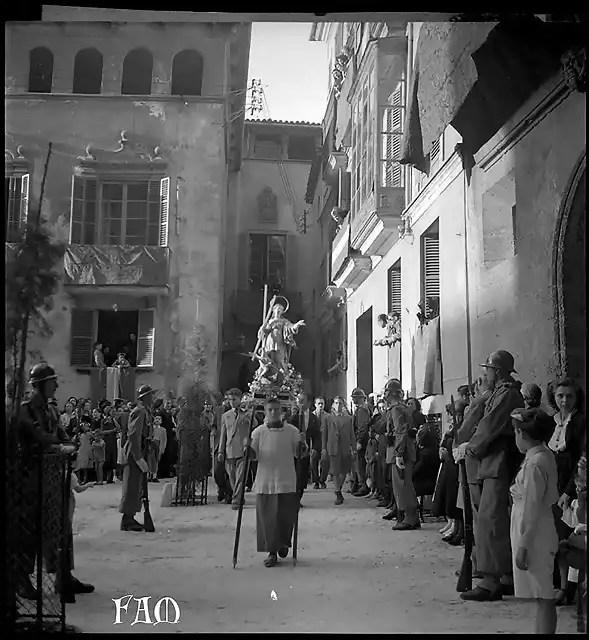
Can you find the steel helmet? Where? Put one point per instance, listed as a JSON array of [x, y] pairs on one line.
[[393, 386], [502, 360], [358, 393], [144, 390], [41, 372]]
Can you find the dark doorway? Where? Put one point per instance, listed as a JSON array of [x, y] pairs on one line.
[[114, 329], [364, 351]]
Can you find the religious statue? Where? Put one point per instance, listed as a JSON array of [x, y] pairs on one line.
[[276, 337]]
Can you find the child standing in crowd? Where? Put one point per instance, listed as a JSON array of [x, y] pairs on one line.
[[534, 541], [85, 457], [98, 446]]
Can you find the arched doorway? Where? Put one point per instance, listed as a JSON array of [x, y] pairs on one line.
[[570, 298]]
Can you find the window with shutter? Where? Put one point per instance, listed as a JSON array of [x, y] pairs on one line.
[[435, 155], [83, 332], [391, 134], [395, 288], [164, 211], [431, 271], [146, 338], [267, 263], [83, 210], [16, 205]]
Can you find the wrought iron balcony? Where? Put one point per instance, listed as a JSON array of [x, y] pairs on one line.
[[129, 269]]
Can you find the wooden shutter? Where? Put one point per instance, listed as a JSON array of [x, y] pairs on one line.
[[153, 213], [431, 267], [344, 341], [83, 330], [395, 288], [344, 187], [84, 214], [434, 154], [146, 338], [12, 209], [24, 201], [164, 210]]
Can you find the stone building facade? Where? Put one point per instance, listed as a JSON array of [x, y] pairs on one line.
[[146, 125], [466, 147], [269, 241]]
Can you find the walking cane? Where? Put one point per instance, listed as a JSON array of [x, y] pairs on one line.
[[295, 535], [242, 494]]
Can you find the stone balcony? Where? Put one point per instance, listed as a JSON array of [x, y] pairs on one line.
[[134, 271], [349, 266], [374, 229]]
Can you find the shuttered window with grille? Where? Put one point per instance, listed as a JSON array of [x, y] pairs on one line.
[[395, 288], [431, 271], [120, 213], [267, 261], [16, 194], [391, 133]]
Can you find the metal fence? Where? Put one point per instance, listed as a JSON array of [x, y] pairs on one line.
[[38, 540], [193, 469]]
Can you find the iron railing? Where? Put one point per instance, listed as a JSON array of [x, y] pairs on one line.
[[38, 540]]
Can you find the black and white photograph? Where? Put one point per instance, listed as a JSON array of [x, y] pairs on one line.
[[295, 311]]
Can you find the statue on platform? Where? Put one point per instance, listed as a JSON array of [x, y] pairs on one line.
[[275, 343]]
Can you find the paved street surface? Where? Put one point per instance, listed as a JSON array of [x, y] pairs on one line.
[[354, 574]]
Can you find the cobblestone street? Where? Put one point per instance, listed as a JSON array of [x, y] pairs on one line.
[[354, 574]]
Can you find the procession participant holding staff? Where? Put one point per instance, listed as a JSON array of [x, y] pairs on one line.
[[275, 445], [133, 459]]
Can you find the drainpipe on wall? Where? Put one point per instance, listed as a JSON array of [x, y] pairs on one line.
[[466, 281]]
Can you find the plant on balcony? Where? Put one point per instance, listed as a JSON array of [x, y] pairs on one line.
[[193, 429], [32, 279]]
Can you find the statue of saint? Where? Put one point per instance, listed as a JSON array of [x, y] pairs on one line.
[[276, 338]]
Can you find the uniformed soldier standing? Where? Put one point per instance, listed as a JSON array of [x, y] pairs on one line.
[[39, 432], [361, 423], [135, 465], [399, 417], [492, 462]]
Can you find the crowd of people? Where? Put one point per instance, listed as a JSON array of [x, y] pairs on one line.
[[524, 458], [517, 457], [100, 433]]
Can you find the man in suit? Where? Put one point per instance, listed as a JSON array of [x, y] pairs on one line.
[[235, 425], [322, 416], [400, 418], [139, 428], [361, 422], [306, 422]]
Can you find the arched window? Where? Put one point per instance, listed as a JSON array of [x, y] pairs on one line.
[[40, 70], [137, 69], [88, 71], [187, 73]]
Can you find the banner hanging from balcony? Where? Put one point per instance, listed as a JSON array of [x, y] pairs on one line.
[[443, 75], [116, 265]]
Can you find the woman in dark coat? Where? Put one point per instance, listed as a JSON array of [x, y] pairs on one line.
[[109, 433]]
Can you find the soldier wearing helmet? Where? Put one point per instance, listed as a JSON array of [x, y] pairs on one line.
[[39, 431], [402, 454], [361, 423], [492, 460], [133, 458]]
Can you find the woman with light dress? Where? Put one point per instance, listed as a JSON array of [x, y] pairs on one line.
[[534, 541]]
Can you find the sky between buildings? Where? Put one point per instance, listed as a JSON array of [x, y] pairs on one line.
[[292, 69]]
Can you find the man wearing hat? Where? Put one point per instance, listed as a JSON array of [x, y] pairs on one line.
[[361, 422], [139, 428], [492, 460], [399, 420], [39, 430]]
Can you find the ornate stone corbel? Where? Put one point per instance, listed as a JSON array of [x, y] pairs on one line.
[[574, 68]]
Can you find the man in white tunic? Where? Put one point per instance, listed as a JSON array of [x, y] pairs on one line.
[[275, 445]]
